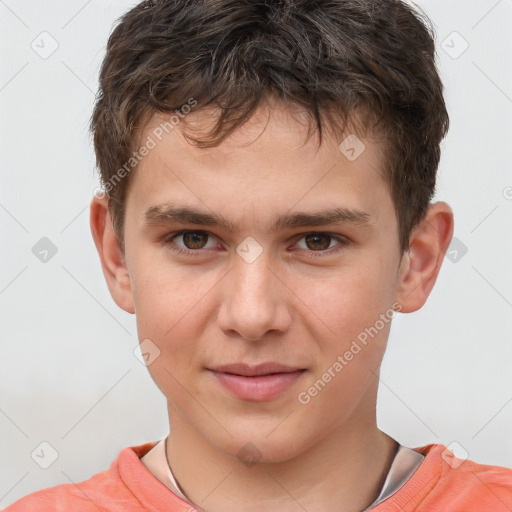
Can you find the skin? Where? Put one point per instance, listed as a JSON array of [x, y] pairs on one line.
[[298, 303]]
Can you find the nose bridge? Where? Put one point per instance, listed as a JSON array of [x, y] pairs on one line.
[[254, 300], [253, 278]]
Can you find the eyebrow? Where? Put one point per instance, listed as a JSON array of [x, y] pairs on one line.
[[165, 214]]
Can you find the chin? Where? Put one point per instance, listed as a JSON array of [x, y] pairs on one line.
[[258, 447]]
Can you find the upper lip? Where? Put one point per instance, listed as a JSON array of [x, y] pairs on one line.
[[254, 370]]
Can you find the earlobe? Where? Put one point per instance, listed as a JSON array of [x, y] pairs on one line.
[[113, 262], [421, 265]]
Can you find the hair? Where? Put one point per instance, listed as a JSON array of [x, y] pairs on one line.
[[331, 58]]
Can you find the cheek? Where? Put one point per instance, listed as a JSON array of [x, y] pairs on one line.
[[356, 307], [173, 308], [174, 331], [350, 300], [166, 294], [161, 305]]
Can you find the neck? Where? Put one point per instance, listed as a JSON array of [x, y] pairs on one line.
[[344, 471]]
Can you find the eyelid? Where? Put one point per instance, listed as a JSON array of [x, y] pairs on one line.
[[168, 240], [343, 241], [339, 238]]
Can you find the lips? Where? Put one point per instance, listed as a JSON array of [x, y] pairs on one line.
[[258, 383], [246, 370]]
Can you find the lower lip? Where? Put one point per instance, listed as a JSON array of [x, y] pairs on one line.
[[258, 389]]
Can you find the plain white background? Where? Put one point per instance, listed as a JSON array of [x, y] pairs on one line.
[[69, 376]]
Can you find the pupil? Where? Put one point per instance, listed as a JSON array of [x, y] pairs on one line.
[[193, 240], [315, 239]]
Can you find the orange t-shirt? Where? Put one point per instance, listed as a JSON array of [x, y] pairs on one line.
[[442, 483]]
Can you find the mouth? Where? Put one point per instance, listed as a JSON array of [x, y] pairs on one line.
[[257, 383], [258, 370]]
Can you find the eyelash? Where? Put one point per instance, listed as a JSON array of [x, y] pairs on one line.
[[167, 242]]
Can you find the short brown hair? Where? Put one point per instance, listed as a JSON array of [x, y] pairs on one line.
[[330, 57]]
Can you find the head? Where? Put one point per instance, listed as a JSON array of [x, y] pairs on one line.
[[245, 122]]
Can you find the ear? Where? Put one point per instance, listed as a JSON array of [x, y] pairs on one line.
[[420, 266], [112, 258]]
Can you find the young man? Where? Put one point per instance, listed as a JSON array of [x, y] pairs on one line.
[[268, 169]]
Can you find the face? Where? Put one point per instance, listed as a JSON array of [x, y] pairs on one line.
[[291, 258]]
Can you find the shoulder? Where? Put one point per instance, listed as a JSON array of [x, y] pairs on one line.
[[460, 484], [103, 491], [479, 479], [445, 482]]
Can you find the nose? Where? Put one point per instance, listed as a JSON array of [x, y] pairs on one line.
[[255, 300]]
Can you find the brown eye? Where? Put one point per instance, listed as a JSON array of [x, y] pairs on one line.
[[322, 244], [194, 239], [317, 241], [191, 243]]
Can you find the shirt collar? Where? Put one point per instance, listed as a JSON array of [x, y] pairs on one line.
[[404, 465]]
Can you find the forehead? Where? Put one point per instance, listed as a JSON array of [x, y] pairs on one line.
[[271, 120], [264, 167]]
